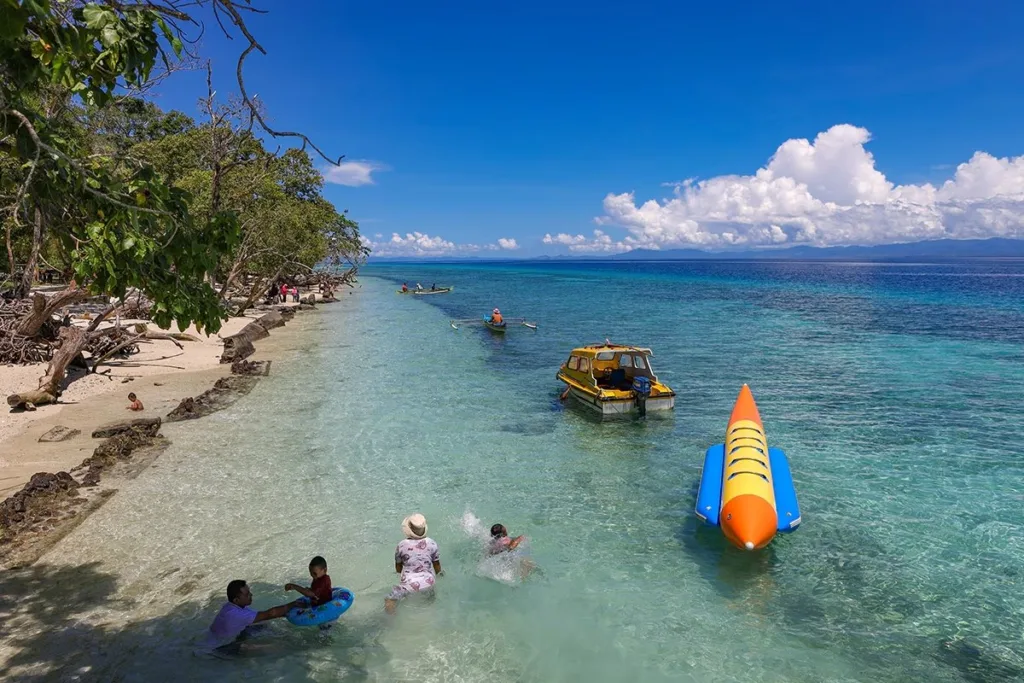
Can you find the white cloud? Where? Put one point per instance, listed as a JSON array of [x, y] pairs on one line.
[[823, 192], [353, 173], [423, 245]]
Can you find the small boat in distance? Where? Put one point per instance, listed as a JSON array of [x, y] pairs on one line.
[[614, 379], [424, 292]]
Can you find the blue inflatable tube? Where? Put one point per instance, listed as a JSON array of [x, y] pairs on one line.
[[709, 493], [785, 492], [304, 615]]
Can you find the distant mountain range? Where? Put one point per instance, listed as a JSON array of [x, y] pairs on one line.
[[996, 247]]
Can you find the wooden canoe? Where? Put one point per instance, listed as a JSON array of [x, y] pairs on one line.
[[440, 290], [500, 329]]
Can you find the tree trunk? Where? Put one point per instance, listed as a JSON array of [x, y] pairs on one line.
[[259, 290], [10, 250], [43, 308], [72, 341], [28, 277]]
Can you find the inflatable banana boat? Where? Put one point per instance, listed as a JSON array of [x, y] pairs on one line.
[[746, 487]]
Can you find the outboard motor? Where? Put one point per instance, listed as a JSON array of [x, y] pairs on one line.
[[641, 392]]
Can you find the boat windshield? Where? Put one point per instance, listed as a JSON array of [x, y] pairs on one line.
[[617, 370]]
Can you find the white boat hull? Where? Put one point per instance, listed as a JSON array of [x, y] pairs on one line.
[[621, 407]]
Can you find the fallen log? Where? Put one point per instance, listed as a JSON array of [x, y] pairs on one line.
[[72, 341], [43, 307], [239, 346], [143, 329]]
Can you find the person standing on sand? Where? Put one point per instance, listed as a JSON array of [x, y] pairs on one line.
[[417, 560], [232, 622], [284, 293]]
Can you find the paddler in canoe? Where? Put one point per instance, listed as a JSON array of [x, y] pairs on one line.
[[496, 318], [405, 287]]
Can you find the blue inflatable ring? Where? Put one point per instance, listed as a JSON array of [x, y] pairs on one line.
[[304, 615]]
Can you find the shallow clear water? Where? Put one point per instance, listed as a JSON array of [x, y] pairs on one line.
[[894, 390]]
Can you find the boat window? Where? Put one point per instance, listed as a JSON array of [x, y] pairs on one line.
[[638, 361], [605, 355], [625, 361], [584, 365], [574, 363]]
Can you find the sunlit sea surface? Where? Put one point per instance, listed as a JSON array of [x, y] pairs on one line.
[[895, 390]]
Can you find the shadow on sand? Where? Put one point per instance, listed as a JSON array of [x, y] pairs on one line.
[[68, 624]]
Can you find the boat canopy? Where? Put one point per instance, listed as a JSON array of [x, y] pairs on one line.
[[607, 351], [609, 366]]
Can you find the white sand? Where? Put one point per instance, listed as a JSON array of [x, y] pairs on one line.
[[161, 375]]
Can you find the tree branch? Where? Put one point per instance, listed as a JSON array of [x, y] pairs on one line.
[[236, 19]]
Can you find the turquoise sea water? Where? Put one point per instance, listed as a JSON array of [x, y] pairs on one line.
[[894, 389]]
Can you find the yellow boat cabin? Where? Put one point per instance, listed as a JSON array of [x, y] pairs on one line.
[[615, 380]]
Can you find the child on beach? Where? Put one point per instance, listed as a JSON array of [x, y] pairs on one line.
[[136, 404], [319, 592]]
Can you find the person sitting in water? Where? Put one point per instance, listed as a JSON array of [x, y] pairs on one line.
[[405, 287], [136, 404], [496, 318], [230, 625], [319, 592], [417, 560]]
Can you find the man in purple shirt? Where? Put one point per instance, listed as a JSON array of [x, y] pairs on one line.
[[235, 617]]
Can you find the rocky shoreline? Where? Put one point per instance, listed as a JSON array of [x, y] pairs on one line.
[[51, 505]]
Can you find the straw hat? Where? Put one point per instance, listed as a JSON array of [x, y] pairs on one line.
[[496, 311], [415, 526]]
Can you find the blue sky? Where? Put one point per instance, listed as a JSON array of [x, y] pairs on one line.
[[480, 121]]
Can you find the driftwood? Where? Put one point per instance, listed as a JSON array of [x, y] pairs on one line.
[[131, 341], [43, 307], [240, 346], [143, 329], [72, 341]]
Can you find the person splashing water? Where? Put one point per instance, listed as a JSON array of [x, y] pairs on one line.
[[504, 559]]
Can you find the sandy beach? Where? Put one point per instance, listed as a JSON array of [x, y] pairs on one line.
[[160, 374]]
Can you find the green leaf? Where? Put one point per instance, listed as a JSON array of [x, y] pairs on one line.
[[94, 15], [109, 36]]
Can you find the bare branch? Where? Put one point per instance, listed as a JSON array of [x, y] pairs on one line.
[[236, 19]]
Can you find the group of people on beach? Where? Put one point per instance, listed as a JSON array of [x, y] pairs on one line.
[[279, 293], [417, 562]]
